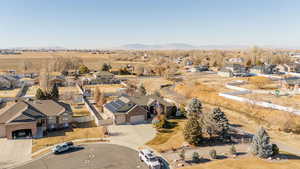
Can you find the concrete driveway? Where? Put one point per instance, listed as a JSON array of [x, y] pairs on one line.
[[133, 136], [14, 151]]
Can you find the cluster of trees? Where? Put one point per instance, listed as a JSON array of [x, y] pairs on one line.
[[45, 95], [213, 123], [66, 63]]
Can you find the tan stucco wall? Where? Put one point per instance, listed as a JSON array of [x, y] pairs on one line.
[[2, 130], [18, 126]]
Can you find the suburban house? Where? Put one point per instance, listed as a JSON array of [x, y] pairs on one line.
[[201, 68], [145, 105], [9, 82], [236, 60], [230, 70], [123, 111], [265, 69], [32, 118], [291, 83], [292, 67], [225, 73], [102, 77]]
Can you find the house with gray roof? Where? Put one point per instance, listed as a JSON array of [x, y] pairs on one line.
[[32, 118], [135, 109], [123, 111]]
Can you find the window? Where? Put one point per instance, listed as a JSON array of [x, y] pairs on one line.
[[65, 119]]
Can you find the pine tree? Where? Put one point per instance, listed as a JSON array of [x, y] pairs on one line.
[[142, 90], [192, 131], [54, 94], [261, 146], [194, 107], [221, 122], [39, 94], [105, 67]]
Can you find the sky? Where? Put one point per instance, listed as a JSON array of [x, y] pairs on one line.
[[111, 23]]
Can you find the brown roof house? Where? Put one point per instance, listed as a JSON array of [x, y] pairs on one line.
[[31, 118], [123, 111], [136, 109]]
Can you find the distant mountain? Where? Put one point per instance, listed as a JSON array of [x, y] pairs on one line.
[[137, 46], [39, 48], [179, 46]]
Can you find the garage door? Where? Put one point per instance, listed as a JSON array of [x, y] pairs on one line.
[[137, 119]]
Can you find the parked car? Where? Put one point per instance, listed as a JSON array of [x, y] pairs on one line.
[[63, 147], [150, 159]]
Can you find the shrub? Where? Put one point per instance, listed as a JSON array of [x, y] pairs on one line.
[[161, 122], [39, 94], [83, 69], [182, 154], [213, 154], [196, 157], [232, 150]]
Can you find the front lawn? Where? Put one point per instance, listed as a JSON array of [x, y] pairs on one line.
[[60, 136], [166, 139]]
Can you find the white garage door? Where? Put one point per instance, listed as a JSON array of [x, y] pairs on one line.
[[137, 119]]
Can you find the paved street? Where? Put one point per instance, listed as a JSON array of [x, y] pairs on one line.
[[14, 151], [96, 156]]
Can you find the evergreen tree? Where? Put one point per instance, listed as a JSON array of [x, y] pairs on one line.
[[261, 146], [142, 90], [105, 67], [220, 121], [192, 131], [39, 94], [194, 107], [54, 92]]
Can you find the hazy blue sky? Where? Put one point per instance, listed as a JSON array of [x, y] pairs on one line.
[[105, 23]]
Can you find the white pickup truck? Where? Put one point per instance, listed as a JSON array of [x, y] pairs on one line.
[[150, 159]]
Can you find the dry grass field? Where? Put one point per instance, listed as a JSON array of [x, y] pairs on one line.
[[93, 61], [248, 163]]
